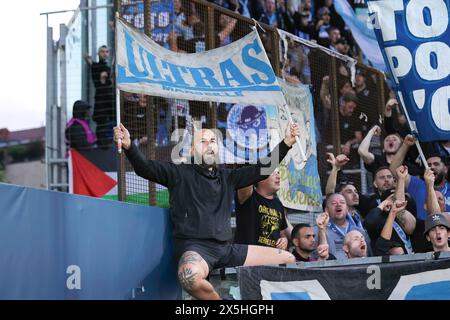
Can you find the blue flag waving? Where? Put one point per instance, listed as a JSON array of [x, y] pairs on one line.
[[414, 36]]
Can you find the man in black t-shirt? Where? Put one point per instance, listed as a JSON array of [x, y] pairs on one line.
[[260, 216]]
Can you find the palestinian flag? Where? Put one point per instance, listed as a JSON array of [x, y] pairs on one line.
[[86, 177], [93, 173]]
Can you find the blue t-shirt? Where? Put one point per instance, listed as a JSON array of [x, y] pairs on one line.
[[418, 190]]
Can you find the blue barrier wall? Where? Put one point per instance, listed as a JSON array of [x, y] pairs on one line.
[[61, 246]]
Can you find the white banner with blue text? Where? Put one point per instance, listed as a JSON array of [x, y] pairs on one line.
[[237, 73]]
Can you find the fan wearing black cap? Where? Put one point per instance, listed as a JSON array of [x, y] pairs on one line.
[[79, 134], [437, 231]]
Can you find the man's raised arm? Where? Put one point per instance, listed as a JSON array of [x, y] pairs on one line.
[[246, 176], [400, 157], [363, 150], [156, 171], [336, 164]]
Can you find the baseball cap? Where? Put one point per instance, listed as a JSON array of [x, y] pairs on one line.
[[434, 220]]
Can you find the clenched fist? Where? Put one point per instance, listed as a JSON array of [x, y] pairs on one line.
[[123, 134], [292, 131]]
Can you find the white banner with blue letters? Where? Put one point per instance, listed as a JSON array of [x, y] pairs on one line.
[[415, 37], [236, 73]]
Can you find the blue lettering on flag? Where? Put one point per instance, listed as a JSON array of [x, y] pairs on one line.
[[414, 36], [146, 68]]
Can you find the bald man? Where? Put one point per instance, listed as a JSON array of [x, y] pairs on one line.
[[201, 196], [355, 245]]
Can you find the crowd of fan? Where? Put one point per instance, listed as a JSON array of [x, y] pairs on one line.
[[314, 20], [405, 213]]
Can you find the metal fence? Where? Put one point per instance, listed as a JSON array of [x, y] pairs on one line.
[[206, 26]]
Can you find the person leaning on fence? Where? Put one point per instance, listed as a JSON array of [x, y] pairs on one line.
[[307, 249], [201, 195], [341, 223], [260, 216]]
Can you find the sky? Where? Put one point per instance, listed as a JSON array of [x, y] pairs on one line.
[[23, 55]]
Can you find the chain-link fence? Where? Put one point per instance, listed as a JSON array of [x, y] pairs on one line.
[[345, 107]]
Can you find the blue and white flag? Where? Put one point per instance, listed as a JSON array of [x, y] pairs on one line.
[[236, 73], [415, 38], [162, 14], [362, 32], [417, 279]]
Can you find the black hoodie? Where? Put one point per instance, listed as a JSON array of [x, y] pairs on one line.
[[200, 200]]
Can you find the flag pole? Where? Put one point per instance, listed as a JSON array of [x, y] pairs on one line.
[[413, 129], [285, 105], [297, 139], [119, 141]]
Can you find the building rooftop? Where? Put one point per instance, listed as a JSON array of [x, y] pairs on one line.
[[28, 135]]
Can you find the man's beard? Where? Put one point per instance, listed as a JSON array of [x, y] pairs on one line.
[[307, 250], [439, 178]]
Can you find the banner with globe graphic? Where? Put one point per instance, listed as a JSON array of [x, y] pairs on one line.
[[252, 131]]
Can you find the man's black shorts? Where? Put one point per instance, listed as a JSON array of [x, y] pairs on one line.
[[216, 254]]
